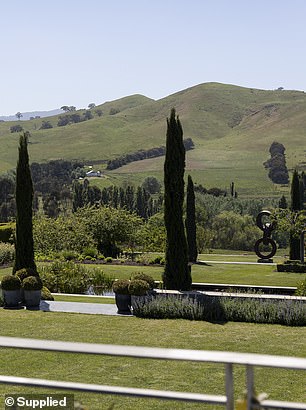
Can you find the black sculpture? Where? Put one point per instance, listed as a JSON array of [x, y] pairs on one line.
[[267, 229]]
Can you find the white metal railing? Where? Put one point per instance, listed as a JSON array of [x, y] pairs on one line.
[[227, 358]]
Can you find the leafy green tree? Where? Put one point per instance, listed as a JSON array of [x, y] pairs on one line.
[[177, 274], [46, 125], [99, 112], [234, 231], [16, 128], [63, 233], [152, 185], [190, 222], [88, 115], [109, 227], [24, 200], [91, 106]]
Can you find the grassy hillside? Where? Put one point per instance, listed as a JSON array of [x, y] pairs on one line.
[[232, 127]]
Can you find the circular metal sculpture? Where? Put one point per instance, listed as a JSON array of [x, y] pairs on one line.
[[267, 229]]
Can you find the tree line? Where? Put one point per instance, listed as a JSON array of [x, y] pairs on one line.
[[144, 154], [136, 200]]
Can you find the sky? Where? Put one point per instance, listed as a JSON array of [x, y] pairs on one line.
[[76, 52]]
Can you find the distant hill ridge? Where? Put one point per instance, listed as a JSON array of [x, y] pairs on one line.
[[232, 128], [28, 115]]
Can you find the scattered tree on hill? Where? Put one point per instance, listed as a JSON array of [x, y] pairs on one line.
[[88, 115], [91, 106], [16, 128], [18, 115], [24, 246], [190, 222], [67, 108], [114, 111], [99, 112], [176, 274], [46, 125], [278, 171]]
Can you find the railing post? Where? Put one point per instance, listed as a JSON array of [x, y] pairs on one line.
[[249, 385], [229, 386]]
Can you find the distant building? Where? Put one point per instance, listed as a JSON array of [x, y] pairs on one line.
[[93, 173]]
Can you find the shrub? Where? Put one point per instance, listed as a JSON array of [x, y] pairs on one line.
[[292, 266], [158, 260], [46, 294], [90, 251], [100, 282], [301, 288], [121, 286], [32, 283], [146, 278], [7, 231], [169, 307], [23, 273], [285, 312], [10, 282], [70, 255], [65, 277], [138, 287], [109, 259], [7, 253]]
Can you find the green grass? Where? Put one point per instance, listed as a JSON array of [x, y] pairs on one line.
[[83, 299], [259, 274], [193, 377], [222, 153]]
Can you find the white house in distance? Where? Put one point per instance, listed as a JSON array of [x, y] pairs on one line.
[[93, 173]]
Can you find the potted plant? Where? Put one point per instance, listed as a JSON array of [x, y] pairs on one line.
[[122, 296], [138, 290], [146, 278], [11, 286], [32, 286], [22, 274]]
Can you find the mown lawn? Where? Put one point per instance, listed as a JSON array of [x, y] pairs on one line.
[[181, 376], [215, 273], [212, 272]]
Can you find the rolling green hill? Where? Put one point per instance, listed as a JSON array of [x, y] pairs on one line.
[[232, 128]]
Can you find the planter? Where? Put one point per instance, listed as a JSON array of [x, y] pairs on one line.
[[32, 299], [123, 303], [12, 298]]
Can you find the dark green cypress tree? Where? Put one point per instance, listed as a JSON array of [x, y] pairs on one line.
[[24, 245], [190, 223], [283, 203], [177, 274], [296, 205]]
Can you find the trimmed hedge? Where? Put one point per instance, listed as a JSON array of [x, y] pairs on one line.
[[292, 266], [216, 309]]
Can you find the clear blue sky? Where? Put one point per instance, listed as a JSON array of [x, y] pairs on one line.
[[74, 52]]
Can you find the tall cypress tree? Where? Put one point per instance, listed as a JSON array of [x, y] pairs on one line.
[[24, 246], [190, 223], [296, 205], [177, 274]]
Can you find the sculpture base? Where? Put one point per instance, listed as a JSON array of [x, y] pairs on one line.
[[264, 260]]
